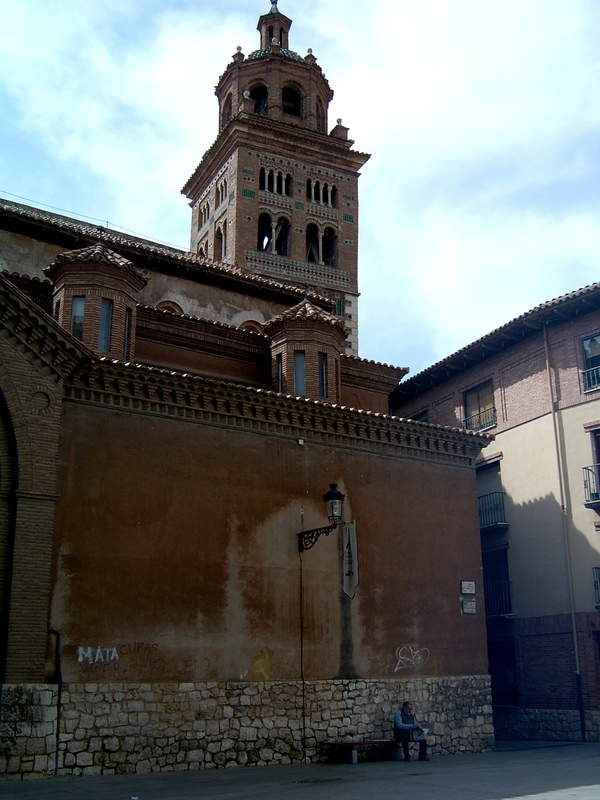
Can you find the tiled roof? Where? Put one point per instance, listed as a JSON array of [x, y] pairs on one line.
[[97, 252], [553, 312], [267, 52], [307, 311]]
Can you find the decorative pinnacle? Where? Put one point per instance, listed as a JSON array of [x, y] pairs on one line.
[[274, 9]]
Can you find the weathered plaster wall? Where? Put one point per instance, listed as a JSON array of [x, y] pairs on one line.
[[177, 556]]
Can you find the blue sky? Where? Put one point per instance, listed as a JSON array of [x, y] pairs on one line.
[[479, 202]]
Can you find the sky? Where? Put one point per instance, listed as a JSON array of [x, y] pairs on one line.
[[481, 198]]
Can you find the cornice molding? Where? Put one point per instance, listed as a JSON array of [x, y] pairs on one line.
[[147, 390]]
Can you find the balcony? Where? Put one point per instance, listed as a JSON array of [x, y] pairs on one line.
[[498, 600], [596, 574], [591, 379], [591, 486], [481, 421], [491, 511]]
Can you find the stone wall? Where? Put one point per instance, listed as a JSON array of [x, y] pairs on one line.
[[544, 724], [28, 730], [127, 728]]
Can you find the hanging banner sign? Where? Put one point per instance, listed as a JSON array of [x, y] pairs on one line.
[[350, 560]]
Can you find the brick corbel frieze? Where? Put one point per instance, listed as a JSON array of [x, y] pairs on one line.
[[149, 390], [36, 334]]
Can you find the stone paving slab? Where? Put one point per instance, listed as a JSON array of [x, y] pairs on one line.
[[519, 772]]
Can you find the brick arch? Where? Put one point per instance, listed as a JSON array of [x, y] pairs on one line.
[[31, 417], [8, 485]]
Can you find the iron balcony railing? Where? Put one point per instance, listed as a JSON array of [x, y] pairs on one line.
[[486, 418], [591, 379], [491, 510], [498, 600], [591, 485], [596, 574]]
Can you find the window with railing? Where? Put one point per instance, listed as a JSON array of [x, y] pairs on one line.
[[591, 484], [496, 583], [591, 364], [596, 574], [491, 510], [479, 410]]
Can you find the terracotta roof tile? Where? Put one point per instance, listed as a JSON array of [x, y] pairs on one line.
[[305, 311]]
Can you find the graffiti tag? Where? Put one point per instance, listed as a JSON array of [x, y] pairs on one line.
[[407, 657]]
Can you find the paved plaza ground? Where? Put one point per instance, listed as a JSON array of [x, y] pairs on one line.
[[536, 771]]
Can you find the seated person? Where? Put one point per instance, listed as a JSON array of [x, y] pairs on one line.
[[406, 729]]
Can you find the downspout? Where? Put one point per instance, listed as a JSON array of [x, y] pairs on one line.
[[565, 529]]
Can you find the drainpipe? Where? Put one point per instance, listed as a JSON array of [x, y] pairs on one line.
[[565, 529]]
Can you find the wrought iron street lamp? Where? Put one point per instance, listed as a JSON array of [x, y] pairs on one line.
[[334, 500]]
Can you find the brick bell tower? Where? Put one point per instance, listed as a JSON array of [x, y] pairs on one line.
[[276, 194]]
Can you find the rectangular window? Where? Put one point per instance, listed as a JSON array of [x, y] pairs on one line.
[[480, 413], [279, 373], [340, 307], [299, 373], [106, 311], [591, 364], [57, 311], [77, 312], [128, 333], [322, 375]]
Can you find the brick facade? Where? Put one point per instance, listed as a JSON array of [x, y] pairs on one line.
[[545, 419]]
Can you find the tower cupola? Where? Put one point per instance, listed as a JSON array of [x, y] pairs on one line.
[[274, 81], [274, 27]]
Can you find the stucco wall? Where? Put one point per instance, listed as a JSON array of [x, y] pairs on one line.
[[177, 556]]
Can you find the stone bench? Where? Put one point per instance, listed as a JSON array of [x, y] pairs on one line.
[[348, 749]]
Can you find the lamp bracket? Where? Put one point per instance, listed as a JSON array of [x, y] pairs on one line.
[[308, 539]]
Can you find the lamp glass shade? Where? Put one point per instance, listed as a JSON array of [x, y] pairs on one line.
[[334, 501]]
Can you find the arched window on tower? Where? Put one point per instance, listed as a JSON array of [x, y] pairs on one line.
[[288, 185], [260, 95], [218, 247], [326, 194], [330, 247], [279, 183], [282, 237], [291, 101], [309, 189], [265, 234], [271, 181], [312, 243], [317, 197], [226, 111], [334, 196], [262, 184], [321, 118]]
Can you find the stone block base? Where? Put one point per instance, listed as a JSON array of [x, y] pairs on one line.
[[128, 728]]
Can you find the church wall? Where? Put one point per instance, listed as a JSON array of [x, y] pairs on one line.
[[178, 561], [25, 255]]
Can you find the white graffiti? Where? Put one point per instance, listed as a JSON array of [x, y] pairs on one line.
[[97, 655], [407, 657]]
